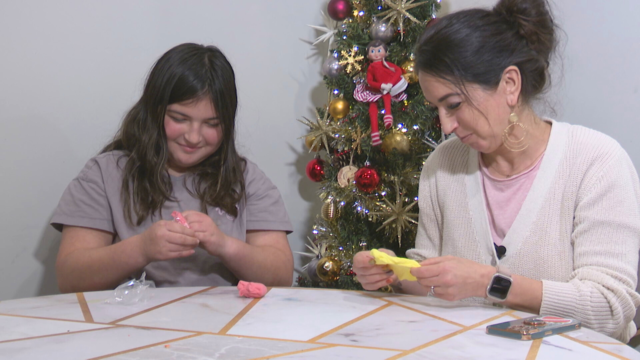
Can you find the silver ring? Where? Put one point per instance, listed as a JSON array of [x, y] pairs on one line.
[[432, 291]]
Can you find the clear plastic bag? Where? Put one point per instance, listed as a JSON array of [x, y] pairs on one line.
[[132, 292]]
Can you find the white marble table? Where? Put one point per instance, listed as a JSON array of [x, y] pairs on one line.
[[288, 323]]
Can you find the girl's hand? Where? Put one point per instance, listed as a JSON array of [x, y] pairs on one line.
[[454, 278], [371, 276], [166, 240], [212, 239]]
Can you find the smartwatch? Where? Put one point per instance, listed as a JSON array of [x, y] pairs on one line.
[[500, 285]]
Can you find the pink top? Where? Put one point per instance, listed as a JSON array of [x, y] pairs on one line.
[[504, 197]]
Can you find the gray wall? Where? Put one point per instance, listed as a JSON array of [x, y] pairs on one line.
[[70, 69]]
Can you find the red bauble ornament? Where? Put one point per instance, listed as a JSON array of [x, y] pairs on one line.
[[315, 170], [339, 9], [367, 179]]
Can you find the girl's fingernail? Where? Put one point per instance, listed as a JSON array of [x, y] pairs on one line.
[[389, 281], [372, 262], [389, 272]]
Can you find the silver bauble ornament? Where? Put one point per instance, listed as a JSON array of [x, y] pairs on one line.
[[331, 67], [382, 31]]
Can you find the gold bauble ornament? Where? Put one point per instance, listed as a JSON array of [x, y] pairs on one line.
[[330, 210], [328, 269], [396, 140], [338, 108], [308, 140], [410, 74]]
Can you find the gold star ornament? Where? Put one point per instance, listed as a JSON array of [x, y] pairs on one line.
[[397, 214], [399, 10], [322, 131]]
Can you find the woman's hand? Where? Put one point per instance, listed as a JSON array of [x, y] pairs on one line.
[[454, 278], [166, 240], [371, 276], [212, 239]]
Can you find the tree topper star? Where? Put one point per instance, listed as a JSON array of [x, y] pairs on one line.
[[398, 215], [399, 10]]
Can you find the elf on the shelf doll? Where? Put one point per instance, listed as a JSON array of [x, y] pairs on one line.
[[384, 80]]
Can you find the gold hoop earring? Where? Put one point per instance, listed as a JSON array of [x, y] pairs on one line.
[[517, 144]]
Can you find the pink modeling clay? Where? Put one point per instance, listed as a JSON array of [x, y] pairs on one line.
[[180, 219], [251, 289]]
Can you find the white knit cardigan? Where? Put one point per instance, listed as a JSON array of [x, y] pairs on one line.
[[578, 230]]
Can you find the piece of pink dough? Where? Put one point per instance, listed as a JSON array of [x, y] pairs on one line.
[[251, 289], [180, 219]]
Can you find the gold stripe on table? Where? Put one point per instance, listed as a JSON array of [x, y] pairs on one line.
[[84, 307], [241, 314], [533, 350], [594, 347], [327, 333], [413, 309], [50, 335], [433, 342], [294, 352], [168, 342], [430, 315], [161, 305]]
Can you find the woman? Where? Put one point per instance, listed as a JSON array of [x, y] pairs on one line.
[[175, 151], [531, 213]]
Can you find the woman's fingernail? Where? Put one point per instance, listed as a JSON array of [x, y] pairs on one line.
[[389, 281], [372, 262], [389, 272]]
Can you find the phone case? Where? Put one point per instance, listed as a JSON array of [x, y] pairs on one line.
[[534, 327]]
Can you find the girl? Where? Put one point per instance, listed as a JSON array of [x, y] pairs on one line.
[[175, 151]]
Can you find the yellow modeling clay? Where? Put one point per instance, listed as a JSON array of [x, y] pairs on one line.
[[400, 266]]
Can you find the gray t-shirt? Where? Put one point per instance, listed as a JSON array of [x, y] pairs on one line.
[[92, 200]]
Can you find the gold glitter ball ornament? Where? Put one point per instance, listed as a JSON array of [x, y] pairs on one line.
[[410, 75], [338, 108], [330, 210], [309, 140], [328, 269], [396, 140]]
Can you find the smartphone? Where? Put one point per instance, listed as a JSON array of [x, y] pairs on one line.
[[534, 327]]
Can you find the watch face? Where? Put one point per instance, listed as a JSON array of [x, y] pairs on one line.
[[500, 286]]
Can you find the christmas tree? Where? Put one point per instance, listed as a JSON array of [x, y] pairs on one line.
[[370, 139]]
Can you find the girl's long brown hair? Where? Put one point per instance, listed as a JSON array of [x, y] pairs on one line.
[[186, 72]]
